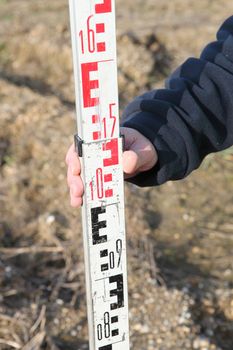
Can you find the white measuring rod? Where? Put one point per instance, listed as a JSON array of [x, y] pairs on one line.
[[100, 148]]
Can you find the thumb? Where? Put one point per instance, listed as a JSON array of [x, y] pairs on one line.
[[139, 155], [131, 162]]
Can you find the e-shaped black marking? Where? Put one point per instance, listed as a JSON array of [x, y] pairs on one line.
[[119, 291], [98, 225]]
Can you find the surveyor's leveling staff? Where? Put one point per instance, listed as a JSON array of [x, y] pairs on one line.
[[100, 148]]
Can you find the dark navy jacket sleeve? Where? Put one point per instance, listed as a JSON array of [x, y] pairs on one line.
[[192, 116]]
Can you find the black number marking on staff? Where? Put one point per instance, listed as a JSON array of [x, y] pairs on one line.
[[119, 250], [106, 328]]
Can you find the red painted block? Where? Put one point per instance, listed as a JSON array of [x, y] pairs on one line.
[[112, 146], [95, 119], [104, 7], [100, 28], [108, 193], [108, 178], [96, 135], [101, 47]]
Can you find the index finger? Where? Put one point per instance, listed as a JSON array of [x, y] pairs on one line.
[[69, 153], [73, 160]]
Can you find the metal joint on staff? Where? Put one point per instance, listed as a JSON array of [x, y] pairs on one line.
[[100, 147], [78, 144]]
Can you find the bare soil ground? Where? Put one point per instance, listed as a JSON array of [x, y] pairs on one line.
[[180, 236]]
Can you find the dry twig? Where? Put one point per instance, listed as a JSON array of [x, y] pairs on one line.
[[39, 321], [10, 343], [30, 250], [35, 342]]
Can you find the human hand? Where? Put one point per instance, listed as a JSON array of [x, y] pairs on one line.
[[139, 155], [74, 180]]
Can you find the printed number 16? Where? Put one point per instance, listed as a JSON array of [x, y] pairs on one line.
[[90, 37]]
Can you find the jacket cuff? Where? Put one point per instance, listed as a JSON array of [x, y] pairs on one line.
[[168, 159]]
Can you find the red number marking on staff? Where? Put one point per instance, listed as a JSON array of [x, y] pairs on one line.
[[112, 117], [90, 37], [99, 183]]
